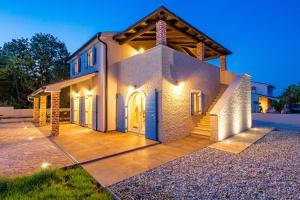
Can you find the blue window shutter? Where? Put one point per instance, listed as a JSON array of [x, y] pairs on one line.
[[79, 64], [72, 110], [86, 60], [152, 116], [95, 113], [72, 70], [94, 55], [192, 103], [120, 113]]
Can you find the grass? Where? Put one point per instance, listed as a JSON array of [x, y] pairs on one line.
[[53, 184]]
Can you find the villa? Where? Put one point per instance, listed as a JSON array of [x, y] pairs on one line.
[[152, 79], [261, 97]]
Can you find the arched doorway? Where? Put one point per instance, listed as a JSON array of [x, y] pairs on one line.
[[136, 112]]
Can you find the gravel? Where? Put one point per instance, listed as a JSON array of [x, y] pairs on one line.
[[269, 169]]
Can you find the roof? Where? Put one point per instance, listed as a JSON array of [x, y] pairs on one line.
[[264, 84], [84, 45], [180, 34], [55, 87]]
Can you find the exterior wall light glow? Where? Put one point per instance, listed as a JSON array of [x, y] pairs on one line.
[[45, 165], [178, 87], [141, 50], [88, 92]]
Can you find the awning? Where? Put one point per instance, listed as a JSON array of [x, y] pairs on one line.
[[56, 87]]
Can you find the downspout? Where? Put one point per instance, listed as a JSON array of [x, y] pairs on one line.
[[105, 82]]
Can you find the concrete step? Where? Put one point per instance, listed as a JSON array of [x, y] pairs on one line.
[[203, 123], [198, 132], [202, 128]]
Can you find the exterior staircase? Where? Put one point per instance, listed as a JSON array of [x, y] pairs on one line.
[[203, 126]]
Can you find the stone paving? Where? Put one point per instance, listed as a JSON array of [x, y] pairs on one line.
[[24, 149]]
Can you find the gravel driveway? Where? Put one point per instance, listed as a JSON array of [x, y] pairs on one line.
[[269, 169]]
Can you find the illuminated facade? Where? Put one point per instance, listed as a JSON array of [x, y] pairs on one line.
[[154, 79], [261, 97]]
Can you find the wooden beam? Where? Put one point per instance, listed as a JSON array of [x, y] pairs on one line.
[[188, 51], [138, 33], [172, 26]]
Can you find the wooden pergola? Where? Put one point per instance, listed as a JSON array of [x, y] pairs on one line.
[[178, 34]]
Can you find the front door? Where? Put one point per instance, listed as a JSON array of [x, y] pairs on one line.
[[136, 113], [88, 110], [76, 110]]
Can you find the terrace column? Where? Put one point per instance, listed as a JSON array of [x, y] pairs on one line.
[[200, 51], [161, 32], [223, 65], [36, 109], [43, 110], [54, 120]]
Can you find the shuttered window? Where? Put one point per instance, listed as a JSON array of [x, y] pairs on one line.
[[76, 66], [196, 102]]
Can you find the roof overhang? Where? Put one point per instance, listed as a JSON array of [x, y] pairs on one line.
[[56, 87], [180, 35]]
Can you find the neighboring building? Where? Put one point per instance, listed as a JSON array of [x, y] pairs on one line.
[[152, 79], [261, 97]]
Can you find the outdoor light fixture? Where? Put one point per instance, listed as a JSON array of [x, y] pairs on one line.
[[30, 138], [178, 87], [45, 165], [141, 50]]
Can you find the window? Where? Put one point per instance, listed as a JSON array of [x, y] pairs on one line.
[[76, 66], [270, 90], [90, 58], [253, 89], [196, 102]]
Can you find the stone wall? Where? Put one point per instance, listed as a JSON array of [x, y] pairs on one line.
[[173, 75], [232, 113], [181, 75], [10, 112]]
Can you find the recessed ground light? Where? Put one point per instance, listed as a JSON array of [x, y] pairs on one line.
[[30, 138], [25, 127]]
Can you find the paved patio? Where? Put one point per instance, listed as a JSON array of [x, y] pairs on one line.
[[85, 145], [24, 149], [115, 169]]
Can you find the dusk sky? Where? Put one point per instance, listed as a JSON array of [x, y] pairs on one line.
[[264, 36]]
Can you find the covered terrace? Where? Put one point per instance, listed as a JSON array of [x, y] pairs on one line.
[[39, 98]]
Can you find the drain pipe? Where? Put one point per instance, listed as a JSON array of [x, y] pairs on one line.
[[105, 82]]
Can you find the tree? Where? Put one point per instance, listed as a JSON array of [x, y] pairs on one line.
[[291, 95], [26, 65]]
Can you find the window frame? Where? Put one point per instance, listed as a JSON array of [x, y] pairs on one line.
[[196, 110]]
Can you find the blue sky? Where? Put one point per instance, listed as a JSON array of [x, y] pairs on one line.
[[264, 36]]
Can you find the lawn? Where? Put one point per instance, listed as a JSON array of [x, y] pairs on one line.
[[73, 183]]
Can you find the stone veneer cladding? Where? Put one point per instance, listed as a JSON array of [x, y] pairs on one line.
[[54, 124], [234, 113], [36, 109], [161, 32], [159, 68], [43, 110]]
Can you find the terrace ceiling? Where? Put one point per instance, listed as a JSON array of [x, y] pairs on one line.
[[180, 35]]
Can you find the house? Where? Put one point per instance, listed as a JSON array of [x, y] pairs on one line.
[[261, 97], [152, 79]]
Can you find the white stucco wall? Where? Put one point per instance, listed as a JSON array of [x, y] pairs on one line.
[[232, 113]]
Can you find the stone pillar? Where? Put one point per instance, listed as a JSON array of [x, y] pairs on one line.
[[36, 109], [54, 119], [43, 110], [223, 65], [200, 51], [161, 32]]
